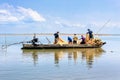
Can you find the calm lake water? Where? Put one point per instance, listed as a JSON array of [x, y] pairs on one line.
[[60, 64]]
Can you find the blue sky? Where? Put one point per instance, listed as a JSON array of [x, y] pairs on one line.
[[69, 16]]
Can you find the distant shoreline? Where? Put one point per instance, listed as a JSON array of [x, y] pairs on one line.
[[49, 34]]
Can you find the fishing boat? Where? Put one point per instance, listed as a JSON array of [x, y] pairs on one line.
[[59, 46]]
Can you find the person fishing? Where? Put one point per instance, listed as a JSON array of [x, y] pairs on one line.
[[83, 39], [75, 38], [90, 34], [56, 35], [69, 40], [34, 40]]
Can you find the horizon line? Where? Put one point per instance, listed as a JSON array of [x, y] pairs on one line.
[[30, 34]]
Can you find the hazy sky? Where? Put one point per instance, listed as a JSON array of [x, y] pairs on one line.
[[28, 16]]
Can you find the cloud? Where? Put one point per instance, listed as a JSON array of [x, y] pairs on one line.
[[29, 13], [6, 16], [9, 13], [79, 24], [110, 26], [67, 23]]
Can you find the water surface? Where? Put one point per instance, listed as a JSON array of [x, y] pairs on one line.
[[60, 64]]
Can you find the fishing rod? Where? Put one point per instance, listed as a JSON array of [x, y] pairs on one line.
[[103, 26], [7, 45], [31, 41]]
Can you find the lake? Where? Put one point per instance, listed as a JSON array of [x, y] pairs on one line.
[[59, 64]]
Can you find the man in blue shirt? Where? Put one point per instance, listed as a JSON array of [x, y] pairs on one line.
[[56, 35], [90, 34], [69, 40]]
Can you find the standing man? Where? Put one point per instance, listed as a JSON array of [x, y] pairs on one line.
[[90, 34], [56, 35]]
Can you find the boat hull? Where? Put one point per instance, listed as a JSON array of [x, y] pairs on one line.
[[58, 46]]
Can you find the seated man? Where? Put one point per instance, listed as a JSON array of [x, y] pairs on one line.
[[34, 40], [75, 38], [83, 39]]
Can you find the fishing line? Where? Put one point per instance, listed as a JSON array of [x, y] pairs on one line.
[[103, 26]]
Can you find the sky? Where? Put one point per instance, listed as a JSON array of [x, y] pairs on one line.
[[65, 16]]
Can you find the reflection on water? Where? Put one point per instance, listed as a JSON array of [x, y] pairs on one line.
[[87, 55], [90, 54]]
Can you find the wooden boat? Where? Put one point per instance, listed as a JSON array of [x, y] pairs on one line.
[[60, 46]]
